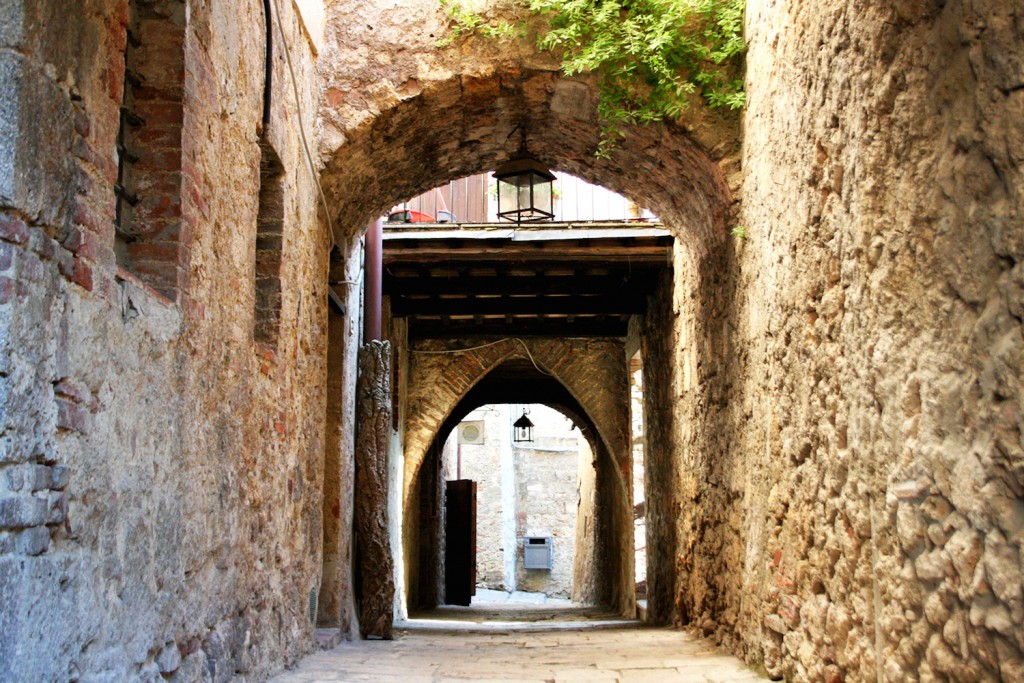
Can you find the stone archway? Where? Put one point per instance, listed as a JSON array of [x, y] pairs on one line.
[[393, 126], [584, 379], [593, 371]]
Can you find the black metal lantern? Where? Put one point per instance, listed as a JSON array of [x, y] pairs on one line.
[[524, 191], [522, 430]]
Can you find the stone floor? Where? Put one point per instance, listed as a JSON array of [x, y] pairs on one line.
[[523, 641]]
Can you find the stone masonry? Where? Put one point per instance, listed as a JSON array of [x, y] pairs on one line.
[[834, 470], [439, 380], [160, 472]]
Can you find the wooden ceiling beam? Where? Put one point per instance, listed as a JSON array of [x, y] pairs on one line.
[[612, 283], [621, 304], [434, 254], [581, 327]]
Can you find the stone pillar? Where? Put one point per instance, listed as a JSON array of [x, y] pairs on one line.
[[373, 424]]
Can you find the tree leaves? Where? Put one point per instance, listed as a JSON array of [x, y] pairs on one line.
[[650, 56]]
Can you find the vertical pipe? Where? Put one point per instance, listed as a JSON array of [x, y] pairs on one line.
[[268, 65], [373, 264]]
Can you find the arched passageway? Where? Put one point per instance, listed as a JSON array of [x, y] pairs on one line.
[[472, 123], [439, 116], [605, 576], [392, 129], [834, 392]]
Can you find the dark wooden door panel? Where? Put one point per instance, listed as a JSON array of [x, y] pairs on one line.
[[460, 541]]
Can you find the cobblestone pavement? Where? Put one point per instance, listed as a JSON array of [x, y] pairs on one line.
[[622, 653]]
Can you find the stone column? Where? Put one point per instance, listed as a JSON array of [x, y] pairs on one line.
[[373, 424]]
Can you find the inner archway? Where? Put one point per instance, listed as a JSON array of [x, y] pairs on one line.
[[533, 519], [519, 375]]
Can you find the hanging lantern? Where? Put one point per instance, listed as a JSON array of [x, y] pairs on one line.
[[524, 191], [522, 430]]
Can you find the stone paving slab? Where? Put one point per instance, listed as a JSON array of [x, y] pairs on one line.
[[617, 655]]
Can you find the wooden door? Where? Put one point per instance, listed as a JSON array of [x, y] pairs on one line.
[[460, 541]]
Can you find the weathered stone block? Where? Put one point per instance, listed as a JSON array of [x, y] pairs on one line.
[[775, 623], [13, 229], [12, 22], [36, 129], [193, 669], [10, 72], [150, 673], [18, 512], [72, 416], [169, 659], [34, 541], [29, 478], [61, 476], [9, 451], [57, 507], [1003, 569]]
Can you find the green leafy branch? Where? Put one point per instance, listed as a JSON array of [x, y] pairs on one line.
[[466, 21], [651, 56]]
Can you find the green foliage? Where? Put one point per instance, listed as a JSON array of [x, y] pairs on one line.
[[465, 21], [651, 56], [739, 232]]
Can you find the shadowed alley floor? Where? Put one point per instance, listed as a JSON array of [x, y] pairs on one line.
[[519, 641]]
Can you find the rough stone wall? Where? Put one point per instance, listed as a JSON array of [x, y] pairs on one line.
[[381, 142], [660, 452], [846, 454], [592, 369], [337, 602], [848, 440], [585, 582], [159, 473]]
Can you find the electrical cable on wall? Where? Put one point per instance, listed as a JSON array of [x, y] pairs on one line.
[[302, 128], [484, 346]]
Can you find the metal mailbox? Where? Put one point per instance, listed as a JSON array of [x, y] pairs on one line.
[[537, 552]]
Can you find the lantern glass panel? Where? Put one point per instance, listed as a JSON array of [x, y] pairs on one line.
[[542, 197], [508, 195], [523, 200]]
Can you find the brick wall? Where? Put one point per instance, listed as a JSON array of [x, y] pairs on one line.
[[158, 470], [151, 240]]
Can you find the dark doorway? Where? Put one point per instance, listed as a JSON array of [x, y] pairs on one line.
[[460, 542]]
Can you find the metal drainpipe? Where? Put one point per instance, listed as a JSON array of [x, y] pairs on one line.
[[268, 65], [374, 246]]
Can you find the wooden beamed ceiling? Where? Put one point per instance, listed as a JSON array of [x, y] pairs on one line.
[[554, 280]]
